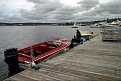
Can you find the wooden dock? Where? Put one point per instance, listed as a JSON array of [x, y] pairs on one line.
[[93, 61]]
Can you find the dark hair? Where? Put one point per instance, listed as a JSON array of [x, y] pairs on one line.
[[77, 30], [78, 33]]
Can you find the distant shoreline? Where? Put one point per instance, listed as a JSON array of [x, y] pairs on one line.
[[59, 24], [36, 24]]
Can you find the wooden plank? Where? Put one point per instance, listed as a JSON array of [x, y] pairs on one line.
[[78, 72], [93, 56], [19, 77]]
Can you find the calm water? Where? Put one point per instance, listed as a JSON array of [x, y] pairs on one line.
[[22, 36]]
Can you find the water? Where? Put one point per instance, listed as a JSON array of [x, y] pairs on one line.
[[22, 36]]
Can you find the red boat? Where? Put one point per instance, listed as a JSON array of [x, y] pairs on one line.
[[42, 50]]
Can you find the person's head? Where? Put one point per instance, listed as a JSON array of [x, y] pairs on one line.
[[75, 37], [91, 32], [77, 30]]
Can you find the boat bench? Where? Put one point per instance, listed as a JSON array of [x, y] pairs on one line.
[[50, 48], [25, 51], [39, 49]]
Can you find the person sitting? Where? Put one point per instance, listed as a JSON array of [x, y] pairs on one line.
[[75, 39], [74, 42], [78, 34], [79, 38]]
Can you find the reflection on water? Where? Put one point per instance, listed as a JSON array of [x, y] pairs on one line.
[[22, 36]]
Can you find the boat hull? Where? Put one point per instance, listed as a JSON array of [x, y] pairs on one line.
[[43, 51], [88, 36]]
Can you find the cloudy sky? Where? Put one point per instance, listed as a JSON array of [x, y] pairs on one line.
[[58, 10]]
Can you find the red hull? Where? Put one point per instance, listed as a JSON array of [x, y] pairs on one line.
[[42, 50]]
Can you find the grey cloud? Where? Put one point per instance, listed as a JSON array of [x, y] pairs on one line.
[[54, 11], [65, 13], [48, 7], [49, 12], [10, 18], [113, 7], [88, 4], [38, 1]]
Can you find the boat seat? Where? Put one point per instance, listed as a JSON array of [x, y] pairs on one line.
[[35, 47], [26, 51], [40, 49], [51, 47]]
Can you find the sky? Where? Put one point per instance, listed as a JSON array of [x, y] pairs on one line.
[[58, 10]]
